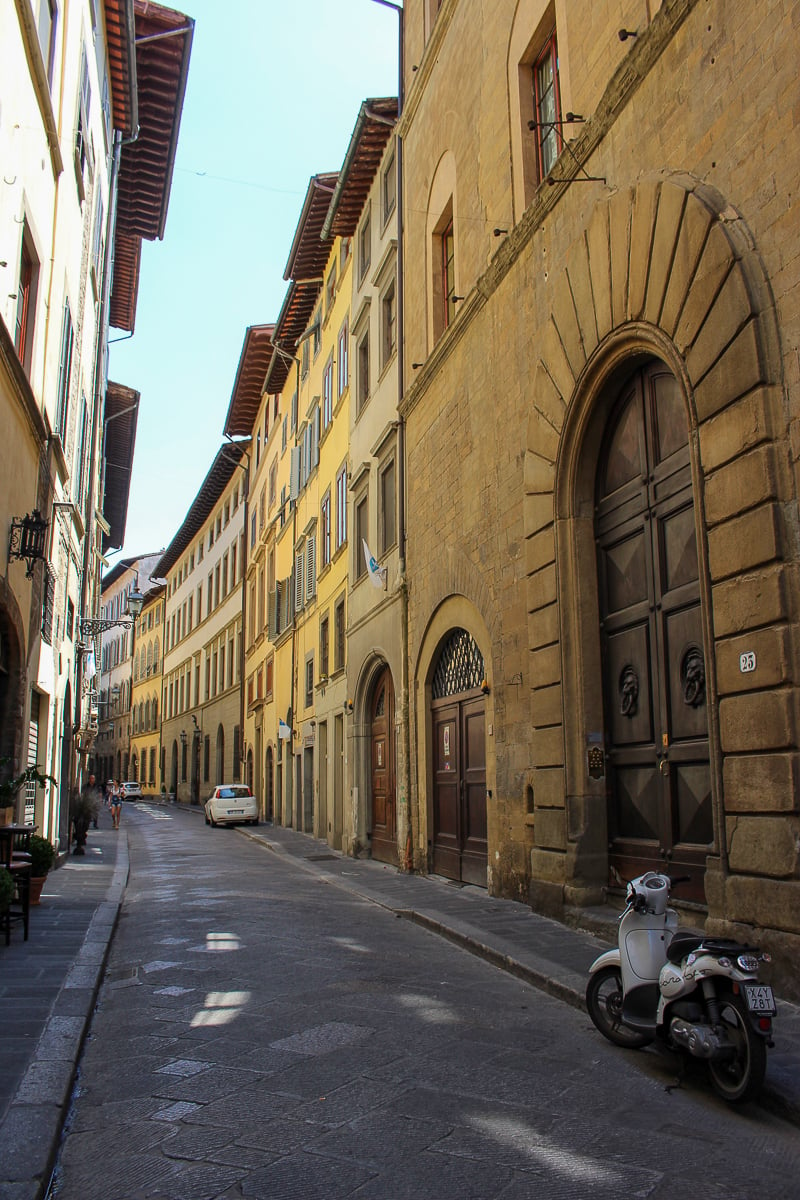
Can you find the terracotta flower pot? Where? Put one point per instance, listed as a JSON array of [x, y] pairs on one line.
[[37, 882]]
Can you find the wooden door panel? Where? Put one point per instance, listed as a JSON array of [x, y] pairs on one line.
[[474, 845], [384, 827], [651, 620]]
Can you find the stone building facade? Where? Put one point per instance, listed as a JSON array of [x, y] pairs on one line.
[[602, 456]]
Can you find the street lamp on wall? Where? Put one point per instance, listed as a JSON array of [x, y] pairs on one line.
[[92, 626], [27, 539]]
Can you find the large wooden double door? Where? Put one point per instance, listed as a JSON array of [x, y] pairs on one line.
[[384, 805], [654, 676]]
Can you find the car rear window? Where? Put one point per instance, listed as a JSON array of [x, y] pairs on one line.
[[229, 793]]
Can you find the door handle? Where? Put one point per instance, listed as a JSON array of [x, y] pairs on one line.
[[663, 767]]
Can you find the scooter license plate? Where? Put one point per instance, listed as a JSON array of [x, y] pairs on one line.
[[760, 998]]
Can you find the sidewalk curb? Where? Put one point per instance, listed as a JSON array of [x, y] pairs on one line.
[[33, 1127]]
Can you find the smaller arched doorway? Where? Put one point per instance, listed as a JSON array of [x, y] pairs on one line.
[[174, 773], [249, 769], [220, 755], [458, 714], [382, 770], [269, 775]]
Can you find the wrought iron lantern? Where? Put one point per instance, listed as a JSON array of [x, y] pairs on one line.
[[27, 539]]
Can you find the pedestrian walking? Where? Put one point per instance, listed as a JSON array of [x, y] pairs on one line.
[[115, 803], [84, 814]]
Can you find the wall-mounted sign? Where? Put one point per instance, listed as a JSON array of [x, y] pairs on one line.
[[747, 661]]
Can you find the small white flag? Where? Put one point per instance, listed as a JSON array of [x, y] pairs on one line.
[[376, 574], [89, 666], [284, 732]]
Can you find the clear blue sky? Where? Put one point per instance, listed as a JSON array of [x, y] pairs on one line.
[[273, 94]]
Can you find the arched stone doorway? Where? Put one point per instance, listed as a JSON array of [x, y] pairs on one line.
[[652, 636], [383, 771], [250, 769], [458, 720]]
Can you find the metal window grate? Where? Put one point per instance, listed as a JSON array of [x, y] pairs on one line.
[[460, 667]]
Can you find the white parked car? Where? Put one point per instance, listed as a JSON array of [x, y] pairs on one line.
[[132, 790], [231, 804]]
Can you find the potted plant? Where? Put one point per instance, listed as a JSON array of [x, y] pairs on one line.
[[6, 889], [10, 787], [43, 855]]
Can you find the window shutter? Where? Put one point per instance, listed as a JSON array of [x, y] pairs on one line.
[[272, 611], [298, 581], [315, 438], [311, 565], [48, 604], [294, 480]]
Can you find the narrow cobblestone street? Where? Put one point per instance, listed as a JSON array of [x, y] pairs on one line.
[[261, 1033]]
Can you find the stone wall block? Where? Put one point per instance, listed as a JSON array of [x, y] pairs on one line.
[[743, 543], [762, 845], [619, 229], [691, 239], [775, 661], [539, 550], [748, 481], [731, 309], [749, 601], [598, 242], [738, 371], [644, 214], [758, 721], [548, 787], [546, 705], [538, 511], [539, 474], [546, 666], [737, 429], [715, 264], [547, 438], [761, 782], [548, 746], [550, 828], [543, 627], [566, 322], [668, 222], [555, 359], [580, 282], [768, 903], [547, 865], [541, 589], [547, 399]]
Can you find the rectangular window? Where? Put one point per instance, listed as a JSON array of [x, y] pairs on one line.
[[547, 107], [362, 371], [262, 509], [388, 324], [294, 412], [341, 508], [273, 484], [327, 394], [343, 370], [305, 355], [324, 647], [97, 241], [299, 580], [389, 189], [237, 757], [388, 527], [364, 247], [81, 455], [284, 434], [325, 531], [64, 373], [26, 301], [330, 291], [309, 681], [270, 680], [46, 28], [362, 535], [448, 273], [339, 635], [311, 566]]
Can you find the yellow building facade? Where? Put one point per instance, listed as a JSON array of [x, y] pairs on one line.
[[201, 725], [148, 643]]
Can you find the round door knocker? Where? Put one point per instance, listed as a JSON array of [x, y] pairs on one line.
[[628, 692], [693, 677]]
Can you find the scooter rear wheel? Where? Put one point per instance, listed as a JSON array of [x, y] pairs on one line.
[[604, 1002], [739, 1078]]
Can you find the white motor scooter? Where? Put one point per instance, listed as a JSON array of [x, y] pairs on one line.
[[690, 992]]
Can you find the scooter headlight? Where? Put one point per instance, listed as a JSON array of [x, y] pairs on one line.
[[748, 963]]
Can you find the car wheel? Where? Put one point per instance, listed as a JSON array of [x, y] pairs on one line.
[[207, 820]]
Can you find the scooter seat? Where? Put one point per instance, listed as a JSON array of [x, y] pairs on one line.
[[683, 942]]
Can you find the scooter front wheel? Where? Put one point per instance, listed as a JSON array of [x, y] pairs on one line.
[[740, 1077], [604, 1002]]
